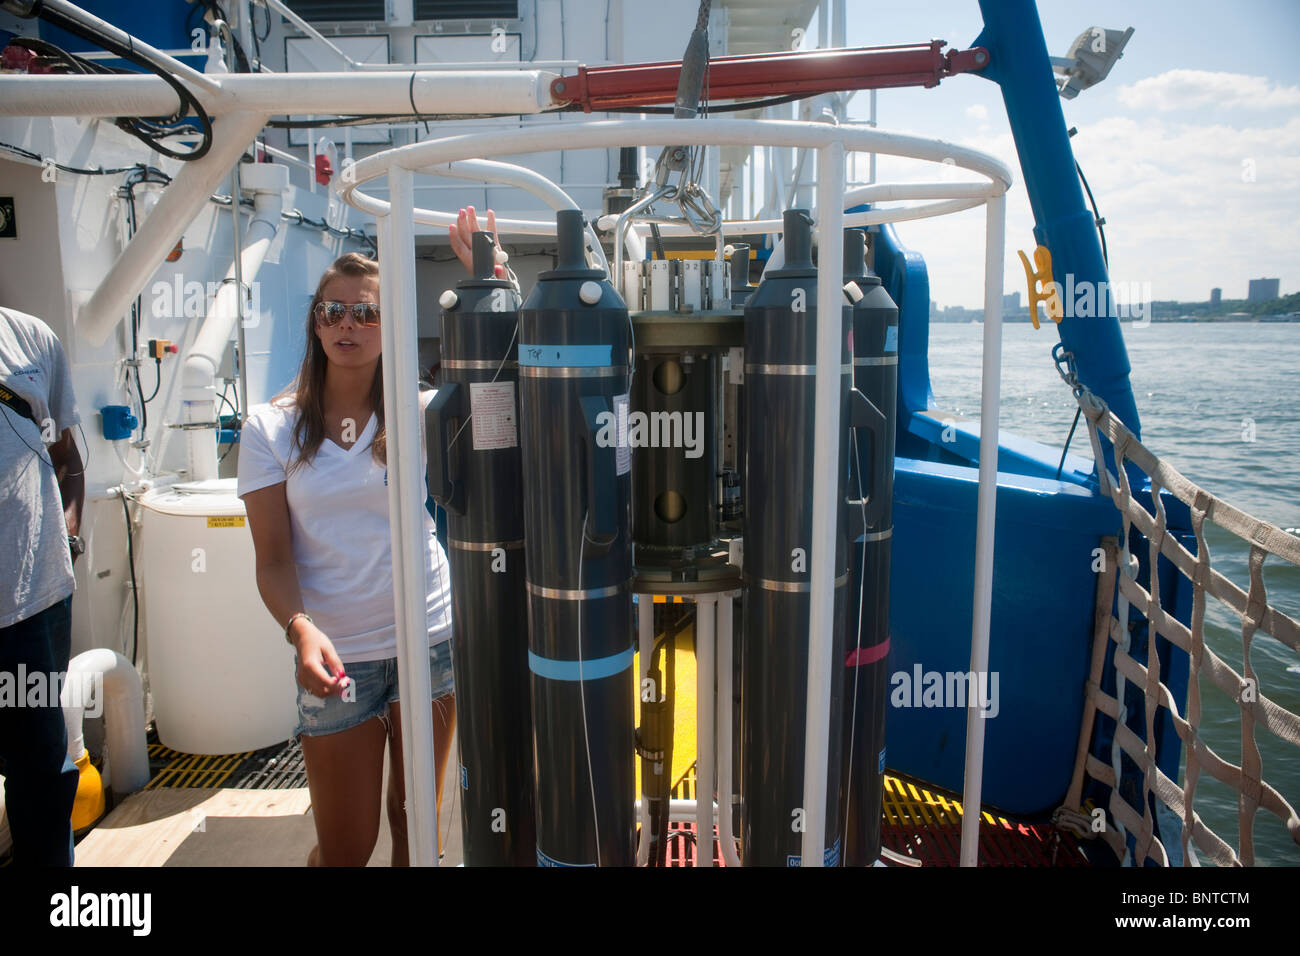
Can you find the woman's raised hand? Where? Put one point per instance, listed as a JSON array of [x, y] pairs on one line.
[[320, 672], [462, 236]]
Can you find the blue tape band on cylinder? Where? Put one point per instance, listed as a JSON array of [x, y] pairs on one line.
[[553, 356], [594, 669]]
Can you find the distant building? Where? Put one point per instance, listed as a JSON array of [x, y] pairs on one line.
[[1262, 290], [1216, 296], [1011, 303]]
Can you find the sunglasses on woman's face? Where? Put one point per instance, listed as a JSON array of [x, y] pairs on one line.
[[363, 313]]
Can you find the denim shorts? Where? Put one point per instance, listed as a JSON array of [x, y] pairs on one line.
[[373, 688]]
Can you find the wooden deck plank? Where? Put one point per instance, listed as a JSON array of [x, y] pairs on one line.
[[149, 827]]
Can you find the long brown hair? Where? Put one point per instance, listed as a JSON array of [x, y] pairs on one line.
[[307, 391]]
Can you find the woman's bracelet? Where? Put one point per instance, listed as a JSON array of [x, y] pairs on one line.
[[292, 618]]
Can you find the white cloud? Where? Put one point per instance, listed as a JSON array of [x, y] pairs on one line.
[[1188, 206], [978, 111], [1202, 89]]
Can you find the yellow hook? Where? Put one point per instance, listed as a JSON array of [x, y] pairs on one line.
[[1041, 287]]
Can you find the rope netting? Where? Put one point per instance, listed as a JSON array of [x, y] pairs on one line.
[[1119, 594]]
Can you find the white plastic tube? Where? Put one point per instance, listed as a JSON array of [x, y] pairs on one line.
[[825, 491], [645, 641], [726, 784], [199, 372], [985, 518], [705, 630], [104, 679]]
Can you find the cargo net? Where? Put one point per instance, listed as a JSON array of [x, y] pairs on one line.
[[1119, 593]]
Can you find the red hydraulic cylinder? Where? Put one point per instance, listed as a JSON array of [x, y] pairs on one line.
[[770, 74]]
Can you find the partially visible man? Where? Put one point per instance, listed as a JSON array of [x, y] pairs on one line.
[[41, 492]]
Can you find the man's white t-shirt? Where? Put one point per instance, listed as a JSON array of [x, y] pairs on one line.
[[338, 512], [35, 563]]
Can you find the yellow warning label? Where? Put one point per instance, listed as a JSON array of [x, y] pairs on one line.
[[227, 521]]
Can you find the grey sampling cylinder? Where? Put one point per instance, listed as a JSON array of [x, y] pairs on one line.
[[472, 427], [573, 362], [875, 376], [780, 360]]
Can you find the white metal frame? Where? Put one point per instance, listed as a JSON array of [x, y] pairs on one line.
[[406, 498]]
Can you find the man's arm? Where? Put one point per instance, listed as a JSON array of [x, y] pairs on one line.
[[71, 475]]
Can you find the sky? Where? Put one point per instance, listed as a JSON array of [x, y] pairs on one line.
[[1191, 145]]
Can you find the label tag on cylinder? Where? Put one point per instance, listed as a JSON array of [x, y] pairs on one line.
[[622, 452], [492, 415]]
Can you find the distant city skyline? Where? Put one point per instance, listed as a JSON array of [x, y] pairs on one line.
[[1191, 145]]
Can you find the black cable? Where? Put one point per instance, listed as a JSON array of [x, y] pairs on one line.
[[36, 453], [152, 175], [148, 130], [238, 428], [1101, 223], [659, 240], [135, 590], [368, 119], [49, 461], [139, 391], [371, 118], [157, 379], [1096, 216], [77, 63], [725, 108], [1068, 439], [28, 154]]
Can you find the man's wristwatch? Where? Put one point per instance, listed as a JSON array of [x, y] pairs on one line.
[[76, 544]]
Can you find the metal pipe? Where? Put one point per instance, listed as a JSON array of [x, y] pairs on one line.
[[625, 218], [403, 93], [826, 424], [705, 623], [177, 207], [406, 496], [645, 641], [726, 784], [198, 373], [238, 266], [986, 506]]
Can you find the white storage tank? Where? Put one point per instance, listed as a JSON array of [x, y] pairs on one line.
[[220, 671]]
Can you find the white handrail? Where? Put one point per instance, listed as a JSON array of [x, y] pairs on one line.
[[827, 495], [406, 520], [985, 515]]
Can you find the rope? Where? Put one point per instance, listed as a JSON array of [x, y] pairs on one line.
[[702, 20], [1250, 605]]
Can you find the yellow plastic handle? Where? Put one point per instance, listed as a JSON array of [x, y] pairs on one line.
[[1041, 287]]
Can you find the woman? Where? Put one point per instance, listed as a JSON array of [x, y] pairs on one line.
[[313, 479]]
